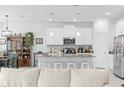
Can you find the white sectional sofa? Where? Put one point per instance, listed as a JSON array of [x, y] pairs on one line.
[[36, 77]]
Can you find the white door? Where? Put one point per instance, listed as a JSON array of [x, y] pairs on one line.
[[101, 50]]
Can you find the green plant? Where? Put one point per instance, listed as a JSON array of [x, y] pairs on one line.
[[29, 39]]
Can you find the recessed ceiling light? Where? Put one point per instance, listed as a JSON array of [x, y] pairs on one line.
[[78, 33], [74, 19], [107, 13], [51, 34], [50, 19]]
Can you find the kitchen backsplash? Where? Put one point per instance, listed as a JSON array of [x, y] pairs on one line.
[[67, 50]]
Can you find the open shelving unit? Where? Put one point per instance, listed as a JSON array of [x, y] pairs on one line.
[[17, 44]]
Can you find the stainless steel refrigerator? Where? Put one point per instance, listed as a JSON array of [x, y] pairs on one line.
[[118, 68]]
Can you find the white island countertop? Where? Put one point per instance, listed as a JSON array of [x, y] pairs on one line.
[[68, 55], [65, 59]]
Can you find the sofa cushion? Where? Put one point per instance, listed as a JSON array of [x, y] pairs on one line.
[[54, 78], [89, 77], [19, 77]]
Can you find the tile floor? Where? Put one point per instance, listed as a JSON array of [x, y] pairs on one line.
[[115, 81]]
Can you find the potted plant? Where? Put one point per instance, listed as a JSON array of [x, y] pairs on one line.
[[28, 42], [29, 39]]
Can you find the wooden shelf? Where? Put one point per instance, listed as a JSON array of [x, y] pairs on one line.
[[18, 44]]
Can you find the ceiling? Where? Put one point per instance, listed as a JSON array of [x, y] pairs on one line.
[[60, 13]]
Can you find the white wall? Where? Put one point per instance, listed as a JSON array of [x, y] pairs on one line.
[[101, 25], [111, 35], [106, 26], [119, 27]]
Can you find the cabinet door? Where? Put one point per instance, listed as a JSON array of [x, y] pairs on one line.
[[88, 36], [80, 36], [69, 31], [54, 36], [84, 36]]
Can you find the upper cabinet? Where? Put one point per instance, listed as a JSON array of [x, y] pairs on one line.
[[54, 36], [84, 36], [69, 31]]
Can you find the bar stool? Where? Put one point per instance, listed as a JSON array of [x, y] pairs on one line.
[[58, 65], [48, 65], [71, 65], [42, 65], [85, 65]]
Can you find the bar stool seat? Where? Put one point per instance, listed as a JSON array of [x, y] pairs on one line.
[[85, 65], [49, 65], [71, 65]]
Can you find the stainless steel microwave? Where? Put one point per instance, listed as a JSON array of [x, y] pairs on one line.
[[69, 41]]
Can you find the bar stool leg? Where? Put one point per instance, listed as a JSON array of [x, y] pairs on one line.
[[58, 65], [71, 65], [85, 65], [42, 65]]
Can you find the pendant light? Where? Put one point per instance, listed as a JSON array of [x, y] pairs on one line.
[[7, 32]]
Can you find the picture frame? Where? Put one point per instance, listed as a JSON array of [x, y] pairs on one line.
[[39, 40], [2, 41]]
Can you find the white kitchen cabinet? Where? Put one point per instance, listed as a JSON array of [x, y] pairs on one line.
[[54, 36], [84, 36], [80, 36], [69, 31]]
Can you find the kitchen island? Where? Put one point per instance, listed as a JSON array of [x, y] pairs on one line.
[[73, 60]]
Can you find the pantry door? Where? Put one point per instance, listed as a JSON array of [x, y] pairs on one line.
[[101, 50]]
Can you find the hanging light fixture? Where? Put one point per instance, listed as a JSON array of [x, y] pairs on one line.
[[7, 32]]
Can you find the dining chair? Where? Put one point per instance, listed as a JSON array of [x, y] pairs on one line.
[[13, 60], [2, 63]]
